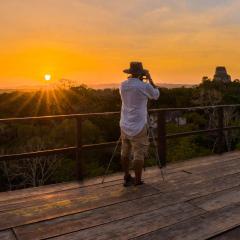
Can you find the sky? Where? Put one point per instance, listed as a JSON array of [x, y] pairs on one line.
[[92, 41]]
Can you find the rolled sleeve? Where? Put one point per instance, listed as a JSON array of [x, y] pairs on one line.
[[151, 92]]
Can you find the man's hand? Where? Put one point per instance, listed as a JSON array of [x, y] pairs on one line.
[[148, 76]]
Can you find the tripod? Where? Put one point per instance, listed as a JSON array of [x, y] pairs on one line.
[[111, 159], [150, 134]]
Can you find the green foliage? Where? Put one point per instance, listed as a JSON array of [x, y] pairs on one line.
[[66, 171], [185, 148], [238, 146], [39, 135]]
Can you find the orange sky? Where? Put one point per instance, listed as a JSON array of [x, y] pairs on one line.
[[91, 41]]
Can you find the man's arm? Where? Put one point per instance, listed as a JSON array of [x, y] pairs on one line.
[[152, 90], [148, 76]]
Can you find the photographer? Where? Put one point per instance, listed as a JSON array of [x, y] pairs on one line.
[[135, 94]]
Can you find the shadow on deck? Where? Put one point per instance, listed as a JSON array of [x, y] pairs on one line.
[[200, 199]]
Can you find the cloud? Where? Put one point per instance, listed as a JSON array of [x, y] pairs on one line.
[[100, 17], [173, 35]]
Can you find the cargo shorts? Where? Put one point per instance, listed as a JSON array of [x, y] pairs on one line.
[[137, 145]]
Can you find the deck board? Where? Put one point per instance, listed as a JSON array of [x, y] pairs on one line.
[[201, 227], [202, 193], [218, 200], [97, 216], [7, 235], [232, 234], [90, 194], [79, 203], [136, 225], [197, 187], [137, 207]]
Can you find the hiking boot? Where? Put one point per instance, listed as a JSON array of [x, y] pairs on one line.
[[139, 183], [128, 181]]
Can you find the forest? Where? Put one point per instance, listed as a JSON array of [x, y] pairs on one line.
[[41, 135]]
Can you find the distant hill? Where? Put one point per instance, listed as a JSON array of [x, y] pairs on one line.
[[8, 90], [172, 85], [5, 90], [163, 85], [95, 86]]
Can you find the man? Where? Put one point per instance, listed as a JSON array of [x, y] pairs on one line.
[[135, 94]]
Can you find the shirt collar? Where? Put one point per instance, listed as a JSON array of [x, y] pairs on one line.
[[133, 79]]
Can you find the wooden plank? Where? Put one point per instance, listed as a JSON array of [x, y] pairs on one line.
[[29, 201], [232, 234], [49, 198], [218, 200], [55, 209], [37, 191], [204, 161], [7, 235], [57, 204], [196, 187], [177, 182], [81, 201], [212, 186], [29, 192], [76, 222], [113, 179], [52, 188], [198, 175], [201, 227], [215, 170], [218, 169], [136, 225]]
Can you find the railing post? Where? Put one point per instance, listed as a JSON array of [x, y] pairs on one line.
[[79, 167], [220, 141], [162, 146]]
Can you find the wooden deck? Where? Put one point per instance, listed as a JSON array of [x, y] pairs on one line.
[[200, 199]]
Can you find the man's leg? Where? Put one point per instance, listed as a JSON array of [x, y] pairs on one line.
[[125, 159], [138, 166], [125, 165], [140, 145]]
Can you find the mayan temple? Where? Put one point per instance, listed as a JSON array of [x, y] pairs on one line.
[[221, 75]]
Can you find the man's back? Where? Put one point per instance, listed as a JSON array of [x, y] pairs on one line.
[[135, 95]]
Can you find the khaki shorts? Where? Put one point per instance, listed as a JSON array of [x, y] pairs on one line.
[[137, 144]]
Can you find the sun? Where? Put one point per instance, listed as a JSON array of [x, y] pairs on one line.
[[47, 77]]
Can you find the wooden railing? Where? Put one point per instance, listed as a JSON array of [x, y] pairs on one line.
[[162, 136]]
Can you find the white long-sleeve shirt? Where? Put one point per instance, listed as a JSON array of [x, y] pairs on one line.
[[135, 94]]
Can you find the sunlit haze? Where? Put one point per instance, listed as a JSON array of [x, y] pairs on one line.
[[92, 41]]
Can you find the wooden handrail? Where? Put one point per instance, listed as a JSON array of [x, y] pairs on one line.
[[57, 117], [161, 137], [97, 114]]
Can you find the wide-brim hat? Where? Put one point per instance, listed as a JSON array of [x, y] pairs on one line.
[[136, 68]]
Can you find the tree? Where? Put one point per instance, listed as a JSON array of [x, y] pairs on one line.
[[31, 172]]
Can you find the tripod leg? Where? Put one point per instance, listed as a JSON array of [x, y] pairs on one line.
[[163, 178], [156, 153], [109, 164], [155, 147]]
